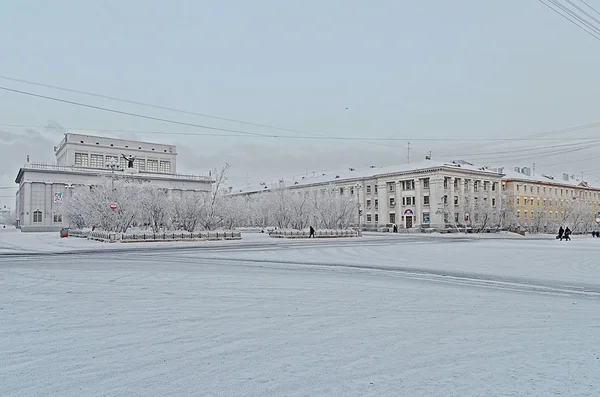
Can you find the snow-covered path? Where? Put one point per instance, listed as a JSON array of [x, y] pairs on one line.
[[223, 323]]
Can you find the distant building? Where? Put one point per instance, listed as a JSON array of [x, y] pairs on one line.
[[429, 194], [80, 160]]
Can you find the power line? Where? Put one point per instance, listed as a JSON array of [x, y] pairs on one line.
[[154, 106], [336, 138], [590, 7], [591, 33], [128, 113]]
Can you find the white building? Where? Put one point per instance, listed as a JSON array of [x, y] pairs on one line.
[[429, 194], [81, 160]]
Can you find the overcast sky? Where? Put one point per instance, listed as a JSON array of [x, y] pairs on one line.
[[461, 71]]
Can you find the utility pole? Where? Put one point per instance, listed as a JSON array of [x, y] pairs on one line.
[[408, 153], [533, 169]]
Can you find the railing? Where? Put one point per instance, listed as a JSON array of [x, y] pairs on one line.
[[156, 237], [318, 234], [56, 167]]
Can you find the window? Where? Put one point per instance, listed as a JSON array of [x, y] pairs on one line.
[[455, 200], [445, 200], [446, 183], [57, 218], [518, 200], [368, 217], [426, 183], [531, 189], [392, 217], [518, 186], [476, 185], [445, 217], [112, 159], [81, 160], [425, 217], [368, 188], [485, 185], [97, 161], [376, 217], [375, 188], [368, 204], [392, 202], [456, 217], [494, 186], [425, 200], [544, 189], [390, 186], [140, 164], [352, 190], [538, 202], [456, 183], [341, 191], [165, 166], [37, 216], [152, 165], [408, 185], [493, 202], [376, 203], [123, 162]]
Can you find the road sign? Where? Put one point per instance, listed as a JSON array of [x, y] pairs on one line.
[[113, 206]]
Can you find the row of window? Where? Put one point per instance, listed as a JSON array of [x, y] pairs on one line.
[[38, 217], [410, 185], [559, 191], [548, 202], [127, 146], [99, 161], [426, 218], [406, 201]]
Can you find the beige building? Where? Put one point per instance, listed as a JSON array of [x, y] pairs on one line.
[[546, 200]]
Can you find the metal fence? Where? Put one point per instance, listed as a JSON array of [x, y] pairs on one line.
[[318, 233], [150, 237]]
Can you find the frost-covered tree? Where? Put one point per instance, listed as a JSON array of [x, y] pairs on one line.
[[189, 211], [90, 205], [156, 207]]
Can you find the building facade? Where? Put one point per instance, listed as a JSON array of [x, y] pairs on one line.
[[548, 202], [81, 161], [422, 195]]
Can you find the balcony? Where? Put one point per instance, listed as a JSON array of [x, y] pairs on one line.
[[121, 171]]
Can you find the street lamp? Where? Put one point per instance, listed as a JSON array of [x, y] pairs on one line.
[[113, 164]]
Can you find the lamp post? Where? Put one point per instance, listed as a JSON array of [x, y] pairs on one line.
[[358, 207], [113, 164]]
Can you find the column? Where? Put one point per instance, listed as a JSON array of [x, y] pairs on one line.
[[418, 207], [436, 204], [451, 208], [381, 199]]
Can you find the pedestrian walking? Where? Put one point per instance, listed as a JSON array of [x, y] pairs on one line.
[[561, 232], [311, 232], [567, 234]]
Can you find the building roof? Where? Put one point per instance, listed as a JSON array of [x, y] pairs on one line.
[[356, 174], [511, 175], [60, 169]]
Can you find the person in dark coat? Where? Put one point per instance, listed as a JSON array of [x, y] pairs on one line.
[[311, 232], [567, 234], [561, 231]]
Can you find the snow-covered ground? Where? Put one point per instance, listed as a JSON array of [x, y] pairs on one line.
[[376, 316]]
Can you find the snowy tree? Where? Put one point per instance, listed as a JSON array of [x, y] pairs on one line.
[[333, 209], [484, 217], [189, 211], [214, 208], [8, 218], [90, 205], [156, 207]]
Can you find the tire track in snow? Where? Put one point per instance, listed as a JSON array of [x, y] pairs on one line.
[[431, 275]]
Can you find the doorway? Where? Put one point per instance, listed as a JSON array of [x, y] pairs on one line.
[[409, 221]]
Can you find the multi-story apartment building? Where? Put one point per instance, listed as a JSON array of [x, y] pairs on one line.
[[545, 198], [429, 194], [81, 160]]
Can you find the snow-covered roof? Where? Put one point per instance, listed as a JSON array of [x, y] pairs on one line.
[[547, 179], [352, 174]]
